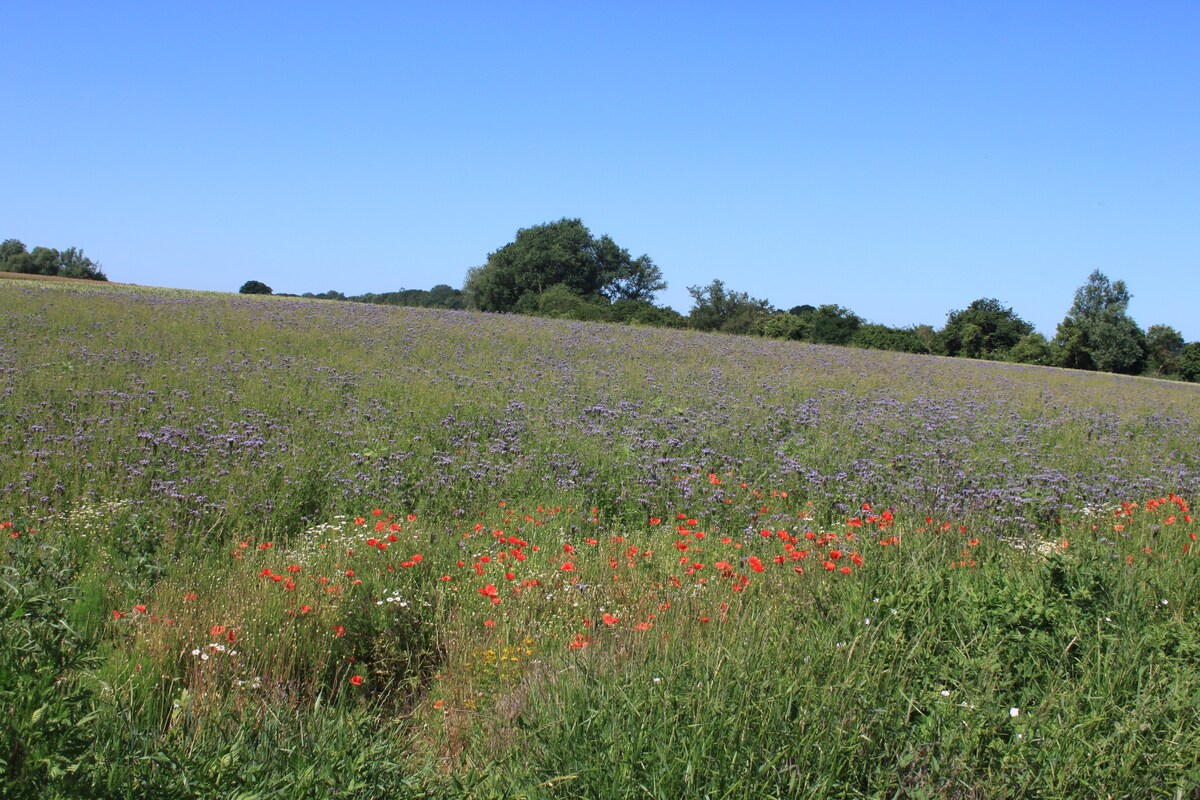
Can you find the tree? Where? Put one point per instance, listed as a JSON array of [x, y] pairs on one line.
[[1031, 349], [69, 263], [786, 325], [72, 263], [560, 253], [10, 249], [1097, 333], [1164, 345], [254, 287], [882, 337], [42, 261], [832, 324], [1189, 362], [716, 308], [984, 329]]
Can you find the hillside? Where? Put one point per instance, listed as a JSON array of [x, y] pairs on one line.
[[307, 485]]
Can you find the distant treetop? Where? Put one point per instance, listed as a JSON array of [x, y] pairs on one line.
[[69, 263], [254, 287]]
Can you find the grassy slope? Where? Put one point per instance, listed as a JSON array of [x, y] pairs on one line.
[[179, 451]]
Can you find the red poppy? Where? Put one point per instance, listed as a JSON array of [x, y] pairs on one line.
[[356, 680]]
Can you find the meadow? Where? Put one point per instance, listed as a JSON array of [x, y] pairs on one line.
[[259, 546]]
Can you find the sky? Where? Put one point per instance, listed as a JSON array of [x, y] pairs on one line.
[[900, 159]]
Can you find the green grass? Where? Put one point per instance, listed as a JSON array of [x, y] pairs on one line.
[[607, 562]]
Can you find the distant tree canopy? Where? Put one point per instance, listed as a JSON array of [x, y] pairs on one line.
[[440, 296], [1164, 346], [69, 263], [715, 308], [560, 254], [1189, 362], [1097, 333], [984, 329], [254, 287]]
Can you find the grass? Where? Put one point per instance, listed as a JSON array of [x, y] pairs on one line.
[[257, 546]]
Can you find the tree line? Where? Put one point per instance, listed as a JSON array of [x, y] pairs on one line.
[[69, 263], [559, 269]]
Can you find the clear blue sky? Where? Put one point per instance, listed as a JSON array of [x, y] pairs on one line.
[[901, 158]]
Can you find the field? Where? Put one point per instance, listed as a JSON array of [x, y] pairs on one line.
[[257, 546]]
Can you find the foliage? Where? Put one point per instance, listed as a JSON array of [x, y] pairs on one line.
[[1189, 362], [785, 325], [562, 253], [984, 329], [1164, 346], [1031, 349], [254, 287], [45, 703], [69, 263], [832, 324], [1097, 333], [900, 340], [715, 308]]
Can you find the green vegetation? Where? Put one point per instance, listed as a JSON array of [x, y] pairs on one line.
[[254, 287], [69, 263], [258, 545]]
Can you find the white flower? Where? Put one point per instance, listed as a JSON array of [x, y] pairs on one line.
[[867, 621], [1014, 712], [945, 692]]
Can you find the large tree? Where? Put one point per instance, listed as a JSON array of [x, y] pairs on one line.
[[562, 253], [985, 329], [1097, 333]]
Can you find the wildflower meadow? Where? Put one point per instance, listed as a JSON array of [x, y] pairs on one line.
[[256, 546]]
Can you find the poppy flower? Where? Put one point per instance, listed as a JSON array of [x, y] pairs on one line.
[[357, 680], [609, 619]]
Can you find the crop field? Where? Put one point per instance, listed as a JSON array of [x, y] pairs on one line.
[[266, 547]]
